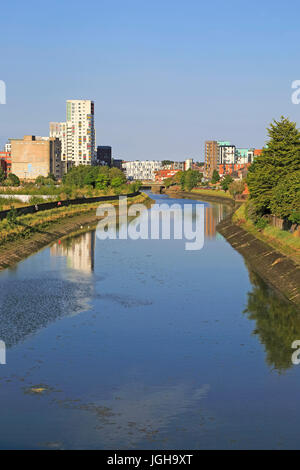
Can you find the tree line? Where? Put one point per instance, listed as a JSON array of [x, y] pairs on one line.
[[274, 177]]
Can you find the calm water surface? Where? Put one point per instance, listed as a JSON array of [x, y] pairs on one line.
[[143, 345]]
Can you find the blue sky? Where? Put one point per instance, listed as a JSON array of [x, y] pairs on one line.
[[165, 74]]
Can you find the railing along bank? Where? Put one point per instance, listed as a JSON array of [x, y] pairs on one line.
[[65, 203]]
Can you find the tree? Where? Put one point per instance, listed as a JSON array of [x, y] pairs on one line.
[[167, 162], [278, 159], [90, 175], [168, 182], [182, 180], [13, 180], [135, 186], [215, 177], [51, 176], [12, 216], [117, 182], [115, 173], [177, 177], [40, 180], [236, 187], [102, 181], [285, 200], [2, 175], [191, 179], [226, 181]]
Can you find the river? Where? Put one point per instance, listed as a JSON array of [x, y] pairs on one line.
[[143, 345]]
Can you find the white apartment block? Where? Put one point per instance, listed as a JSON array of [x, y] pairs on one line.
[[80, 132], [244, 156], [188, 164], [141, 170], [77, 134], [227, 153]]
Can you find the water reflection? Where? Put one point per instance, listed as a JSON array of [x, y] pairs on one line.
[[131, 371], [79, 251], [213, 216], [135, 413], [277, 323], [28, 305]]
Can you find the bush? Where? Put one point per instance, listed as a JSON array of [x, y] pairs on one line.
[[12, 217], [236, 187], [261, 223], [36, 200], [251, 212]]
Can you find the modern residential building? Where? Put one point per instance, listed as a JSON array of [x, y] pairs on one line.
[[188, 164], [32, 157], [226, 158], [244, 156], [211, 153], [104, 155], [226, 153], [77, 134], [141, 170], [59, 131], [174, 166], [80, 132]]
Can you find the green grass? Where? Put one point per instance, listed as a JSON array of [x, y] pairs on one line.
[[212, 192], [26, 225], [281, 240]]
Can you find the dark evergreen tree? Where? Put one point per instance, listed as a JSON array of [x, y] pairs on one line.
[[279, 158]]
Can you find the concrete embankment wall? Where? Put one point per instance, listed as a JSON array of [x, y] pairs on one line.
[[52, 205], [199, 196], [277, 269]]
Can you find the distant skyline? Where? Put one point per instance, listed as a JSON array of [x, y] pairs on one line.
[[165, 75]]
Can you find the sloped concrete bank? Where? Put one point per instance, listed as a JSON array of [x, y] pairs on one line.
[[15, 251], [276, 269], [199, 196]]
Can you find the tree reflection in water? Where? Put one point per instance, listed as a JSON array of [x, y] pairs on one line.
[[277, 323]]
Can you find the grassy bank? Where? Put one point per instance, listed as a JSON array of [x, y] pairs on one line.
[[282, 241], [26, 226], [212, 192]]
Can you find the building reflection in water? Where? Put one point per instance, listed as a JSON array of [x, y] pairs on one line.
[[79, 251], [213, 216]]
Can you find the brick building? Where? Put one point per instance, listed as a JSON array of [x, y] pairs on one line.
[[5, 162], [211, 157], [32, 157]]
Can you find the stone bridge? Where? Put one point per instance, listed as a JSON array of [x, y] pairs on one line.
[[156, 188]]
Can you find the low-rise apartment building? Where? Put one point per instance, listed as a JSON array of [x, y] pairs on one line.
[[141, 170]]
